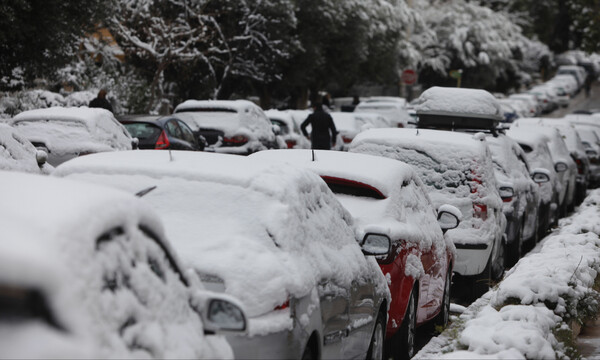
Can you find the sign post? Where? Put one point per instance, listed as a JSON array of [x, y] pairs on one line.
[[409, 78], [456, 74]]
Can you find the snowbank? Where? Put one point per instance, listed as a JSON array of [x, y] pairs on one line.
[[529, 313]]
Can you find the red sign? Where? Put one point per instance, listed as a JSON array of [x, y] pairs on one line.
[[409, 77]]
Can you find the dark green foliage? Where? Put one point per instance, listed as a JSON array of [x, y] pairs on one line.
[[40, 36]]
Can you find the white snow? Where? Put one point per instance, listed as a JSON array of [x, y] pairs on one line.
[[453, 101], [537, 296], [17, 153], [60, 255], [268, 231]]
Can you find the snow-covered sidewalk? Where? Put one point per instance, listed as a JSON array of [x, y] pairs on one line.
[[533, 311]]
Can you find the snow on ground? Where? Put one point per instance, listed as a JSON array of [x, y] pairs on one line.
[[528, 314]]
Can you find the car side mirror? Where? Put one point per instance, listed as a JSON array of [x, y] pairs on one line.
[[560, 167], [135, 143], [376, 245], [591, 153], [41, 157], [221, 314], [449, 217], [540, 176]]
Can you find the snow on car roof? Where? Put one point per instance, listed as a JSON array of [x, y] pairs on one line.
[[82, 114], [433, 138], [375, 171], [456, 101], [269, 231], [524, 135], [233, 105]]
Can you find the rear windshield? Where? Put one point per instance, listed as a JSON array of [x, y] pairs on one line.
[[142, 131], [349, 187], [207, 109]]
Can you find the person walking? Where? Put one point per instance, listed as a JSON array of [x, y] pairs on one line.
[[101, 102], [323, 131], [588, 86]]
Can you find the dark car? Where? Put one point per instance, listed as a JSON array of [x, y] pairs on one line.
[[161, 132]]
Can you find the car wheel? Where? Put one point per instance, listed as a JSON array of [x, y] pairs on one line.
[[513, 250], [375, 351], [498, 264], [481, 282], [309, 353], [442, 318], [405, 348]]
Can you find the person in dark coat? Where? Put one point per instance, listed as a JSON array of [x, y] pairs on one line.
[[323, 132], [101, 102]]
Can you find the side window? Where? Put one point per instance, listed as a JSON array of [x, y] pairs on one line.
[[173, 129], [188, 135]]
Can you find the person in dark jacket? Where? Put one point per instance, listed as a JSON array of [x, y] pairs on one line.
[[323, 131], [101, 102]]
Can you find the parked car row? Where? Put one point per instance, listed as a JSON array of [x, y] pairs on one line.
[[284, 253]]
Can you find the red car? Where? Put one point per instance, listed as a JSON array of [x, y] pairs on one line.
[[386, 196]]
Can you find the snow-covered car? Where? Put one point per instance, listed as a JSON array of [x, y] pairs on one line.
[[66, 133], [394, 111], [457, 169], [562, 92], [86, 271], [568, 81], [576, 71], [386, 196], [289, 129], [18, 154], [374, 99], [510, 112], [161, 132], [229, 126], [275, 237], [575, 145], [533, 107], [348, 124], [546, 97], [565, 166], [589, 132], [538, 156], [519, 193]]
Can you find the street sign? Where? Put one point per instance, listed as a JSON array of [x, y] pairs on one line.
[[409, 77], [456, 74]]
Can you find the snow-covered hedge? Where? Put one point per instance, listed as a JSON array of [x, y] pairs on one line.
[[530, 313]]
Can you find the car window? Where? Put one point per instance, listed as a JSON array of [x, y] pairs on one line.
[[173, 129], [282, 126], [143, 131], [187, 133]]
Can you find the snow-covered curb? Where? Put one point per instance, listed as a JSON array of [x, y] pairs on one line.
[[532, 312]]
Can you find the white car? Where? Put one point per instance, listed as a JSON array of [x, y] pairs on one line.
[[394, 111], [457, 169], [289, 129], [229, 126], [577, 71], [274, 237], [18, 154], [87, 272], [349, 124], [66, 133]]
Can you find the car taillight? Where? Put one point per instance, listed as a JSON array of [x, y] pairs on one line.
[[400, 125], [545, 101], [235, 140], [579, 166], [285, 305], [162, 142], [346, 139], [290, 143], [480, 211]]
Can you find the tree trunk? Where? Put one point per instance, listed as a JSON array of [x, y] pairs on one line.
[[154, 86]]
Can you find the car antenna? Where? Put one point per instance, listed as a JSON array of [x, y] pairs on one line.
[[313, 154], [170, 156], [145, 191]]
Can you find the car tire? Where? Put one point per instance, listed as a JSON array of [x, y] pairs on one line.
[[441, 320], [376, 346], [481, 282], [309, 353], [404, 347], [498, 265], [513, 250]]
